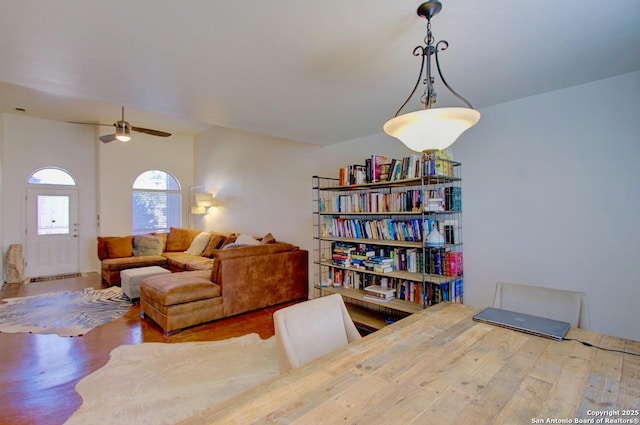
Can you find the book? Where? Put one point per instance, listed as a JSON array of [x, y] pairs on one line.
[[379, 292], [379, 264], [396, 173], [384, 300], [377, 170], [343, 176]]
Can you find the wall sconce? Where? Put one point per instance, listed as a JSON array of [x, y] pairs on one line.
[[200, 200], [204, 199], [198, 210]]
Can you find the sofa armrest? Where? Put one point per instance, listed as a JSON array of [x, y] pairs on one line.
[[257, 281]]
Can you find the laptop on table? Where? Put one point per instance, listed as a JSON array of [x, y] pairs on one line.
[[535, 325]]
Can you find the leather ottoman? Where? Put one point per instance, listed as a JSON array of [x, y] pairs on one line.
[[180, 300]]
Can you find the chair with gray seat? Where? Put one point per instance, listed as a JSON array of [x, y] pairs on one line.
[[310, 329], [558, 304]]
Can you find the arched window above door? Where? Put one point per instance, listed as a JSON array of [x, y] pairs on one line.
[[52, 175]]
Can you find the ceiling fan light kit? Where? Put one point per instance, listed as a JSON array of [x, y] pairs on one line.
[[123, 133], [431, 128]]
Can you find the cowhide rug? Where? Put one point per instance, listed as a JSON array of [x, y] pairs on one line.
[[68, 313], [162, 384]]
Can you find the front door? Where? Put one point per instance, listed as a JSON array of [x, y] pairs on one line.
[[52, 232]]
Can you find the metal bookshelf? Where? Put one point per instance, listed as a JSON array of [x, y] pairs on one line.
[[356, 208]]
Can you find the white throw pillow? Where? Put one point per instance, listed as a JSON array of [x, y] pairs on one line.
[[247, 240], [199, 243]]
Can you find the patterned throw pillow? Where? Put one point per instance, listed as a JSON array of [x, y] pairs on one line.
[[147, 245]]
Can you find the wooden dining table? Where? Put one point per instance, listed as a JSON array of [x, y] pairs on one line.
[[439, 366]]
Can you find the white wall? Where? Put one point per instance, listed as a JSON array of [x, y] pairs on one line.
[[32, 143], [550, 198], [264, 183], [121, 163], [543, 179]]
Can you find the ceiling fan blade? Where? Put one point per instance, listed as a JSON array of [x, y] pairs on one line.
[[150, 131], [89, 123], [107, 138]]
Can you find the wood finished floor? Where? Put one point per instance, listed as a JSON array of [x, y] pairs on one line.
[[38, 373]]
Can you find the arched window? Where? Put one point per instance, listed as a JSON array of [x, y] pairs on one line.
[[157, 202], [52, 175]]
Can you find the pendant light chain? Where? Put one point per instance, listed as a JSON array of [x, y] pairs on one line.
[[429, 96], [429, 92]]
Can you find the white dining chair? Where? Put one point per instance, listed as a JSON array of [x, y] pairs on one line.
[[558, 304], [310, 329]]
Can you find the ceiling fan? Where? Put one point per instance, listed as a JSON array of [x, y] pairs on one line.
[[123, 131]]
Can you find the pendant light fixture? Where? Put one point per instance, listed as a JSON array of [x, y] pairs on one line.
[[431, 129]]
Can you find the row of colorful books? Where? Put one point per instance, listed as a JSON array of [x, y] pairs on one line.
[[375, 202], [444, 263], [360, 256], [411, 230], [414, 200], [384, 289], [380, 168], [439, 261], [381, 229]]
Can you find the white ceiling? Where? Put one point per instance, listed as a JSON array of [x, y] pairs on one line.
[[313, 71]]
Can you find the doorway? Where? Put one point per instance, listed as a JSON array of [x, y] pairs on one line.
[[52, 231]]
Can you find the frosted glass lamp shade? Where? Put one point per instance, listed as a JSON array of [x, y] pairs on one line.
[[198, 210], [431, 129]]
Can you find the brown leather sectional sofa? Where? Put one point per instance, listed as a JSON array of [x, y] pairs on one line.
[[223, 281]]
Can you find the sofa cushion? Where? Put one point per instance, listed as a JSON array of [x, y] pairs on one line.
[[119, 247], [147, 245], [225, 234], [245, 251], [102, 246], [118, 264], [163, 237], [178, 288], [215, 242], [199, 243], [179, 239], [200, 263], [179, 260], [229, 240]]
